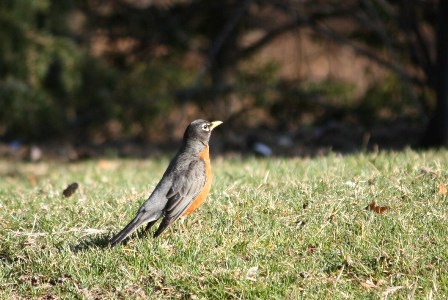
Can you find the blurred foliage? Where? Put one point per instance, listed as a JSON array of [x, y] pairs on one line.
[[387, 99], [311, 103], [27, 110], [29, 53], [51, 86], [70, 68]]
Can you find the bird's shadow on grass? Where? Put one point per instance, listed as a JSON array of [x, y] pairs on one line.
[[102, 241], [92, 242]]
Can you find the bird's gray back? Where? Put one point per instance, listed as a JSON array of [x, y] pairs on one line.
[[158, 199]]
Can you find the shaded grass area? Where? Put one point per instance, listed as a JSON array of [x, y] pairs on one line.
[[274, 228]]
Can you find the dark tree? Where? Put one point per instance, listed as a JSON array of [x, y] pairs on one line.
[[128, 62], [436, 133]]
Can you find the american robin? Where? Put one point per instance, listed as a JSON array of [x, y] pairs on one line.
[[183, 187]]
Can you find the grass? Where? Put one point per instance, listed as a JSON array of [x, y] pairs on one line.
[[273, 228]]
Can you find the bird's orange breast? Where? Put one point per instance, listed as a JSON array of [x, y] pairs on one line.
[[204, 155]]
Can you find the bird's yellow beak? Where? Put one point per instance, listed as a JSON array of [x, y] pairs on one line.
[[215, 124]]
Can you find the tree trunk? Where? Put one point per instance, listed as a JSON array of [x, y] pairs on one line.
[[436, 133]]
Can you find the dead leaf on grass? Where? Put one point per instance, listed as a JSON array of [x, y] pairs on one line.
[[252, 273], [378, 209], [311, 249], [427, 171], [32, 180], [61, 279], [300, 223], [348, 260], [391, 290], [368, 284], [70, 190], [442, 189], [107, 164]]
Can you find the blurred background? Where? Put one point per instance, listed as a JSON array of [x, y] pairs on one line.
[[80, 78]]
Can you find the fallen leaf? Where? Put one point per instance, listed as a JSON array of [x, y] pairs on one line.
[[427, 171], [32, 180], [348, 260], [252, 273], [442, 189], [368, 284], [391, 290], [32, 279], [300, 223], [311, 249], [35, 153], [107, 164], [381, 282], [70, 189], [60, 279], [378, 209], [350, 184]]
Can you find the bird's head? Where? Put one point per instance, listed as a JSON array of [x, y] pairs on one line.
[[200, 130]]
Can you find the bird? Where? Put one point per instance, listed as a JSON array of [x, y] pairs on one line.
[[184, 185]]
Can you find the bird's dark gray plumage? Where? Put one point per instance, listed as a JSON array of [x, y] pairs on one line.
[[181, 183]]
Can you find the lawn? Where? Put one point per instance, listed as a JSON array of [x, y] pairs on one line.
[[271, 229]]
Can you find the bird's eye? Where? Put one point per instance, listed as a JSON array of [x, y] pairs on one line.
[[206, 127]]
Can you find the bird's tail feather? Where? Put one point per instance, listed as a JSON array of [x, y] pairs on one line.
[[125, 232]]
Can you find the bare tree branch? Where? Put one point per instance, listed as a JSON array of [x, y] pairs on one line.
[[268, 37], [313, 22], [364, 52], [373, 21], [215, 49], [298, 21], [224, 34], [415, 40]]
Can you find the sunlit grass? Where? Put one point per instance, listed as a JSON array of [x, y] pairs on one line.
[[274, 228]]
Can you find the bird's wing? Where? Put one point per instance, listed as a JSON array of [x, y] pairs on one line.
[[186, 186]]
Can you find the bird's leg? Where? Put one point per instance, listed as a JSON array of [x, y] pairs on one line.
[[182, 221], [148, 226]]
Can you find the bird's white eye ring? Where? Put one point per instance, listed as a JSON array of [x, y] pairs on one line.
[[206, 127]]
